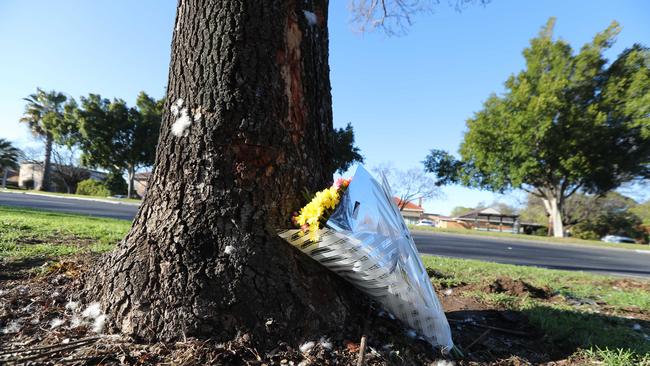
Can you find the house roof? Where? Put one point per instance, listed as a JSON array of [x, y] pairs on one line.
[[484, 212], [410, 206]]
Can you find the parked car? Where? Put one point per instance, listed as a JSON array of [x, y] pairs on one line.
[[617, 239], [425, 223]]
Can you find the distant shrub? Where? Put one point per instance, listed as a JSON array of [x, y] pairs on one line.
[[542, 231], [582, 232], [91, 187], [116, 184]]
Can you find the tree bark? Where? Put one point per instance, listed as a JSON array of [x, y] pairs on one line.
[[47, 163], [554, 210], [203, 257]]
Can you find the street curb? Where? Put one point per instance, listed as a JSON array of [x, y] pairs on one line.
[[72, 198]]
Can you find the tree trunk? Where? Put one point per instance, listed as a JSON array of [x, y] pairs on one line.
[[554, 210], [47, 164], [203, 257], [131, 174], [5, 174]]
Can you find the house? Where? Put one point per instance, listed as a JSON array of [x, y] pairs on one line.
[[489, 219], [140, 181], [445, 222], [411, 212], [30, 176]]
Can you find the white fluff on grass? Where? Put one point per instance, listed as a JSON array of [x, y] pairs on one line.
[[444, 363], [72, 305], [13, 326], [92, 311], [229, 249], [307, 346], [325, 343], [75, 322], [98, 324], [56, 323], [311, 17]]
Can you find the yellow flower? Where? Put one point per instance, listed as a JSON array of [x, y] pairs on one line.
[[321, 205]]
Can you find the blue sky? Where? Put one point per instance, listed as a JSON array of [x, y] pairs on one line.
[[404, 95]]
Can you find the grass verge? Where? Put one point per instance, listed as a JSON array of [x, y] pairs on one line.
[[26, 233], [532, 238], [593, 318], [608, 318]]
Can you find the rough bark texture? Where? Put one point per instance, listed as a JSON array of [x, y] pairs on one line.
[[47, 163], [203, 258]]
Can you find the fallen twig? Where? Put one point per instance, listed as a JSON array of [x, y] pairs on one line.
[[504, 330], [478, 339], [26, 355]]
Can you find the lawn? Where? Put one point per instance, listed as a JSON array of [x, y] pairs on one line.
[[26, 233], [572, 317], [538, 239]]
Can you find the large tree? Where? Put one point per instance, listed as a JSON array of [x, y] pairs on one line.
[[247, 128], [568, 122], [44, 116], [117, 137]]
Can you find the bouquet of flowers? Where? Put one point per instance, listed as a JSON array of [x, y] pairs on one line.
[[355, 229]]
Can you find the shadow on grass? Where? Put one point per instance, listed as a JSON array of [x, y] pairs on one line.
[[543, 333], [18, 268]]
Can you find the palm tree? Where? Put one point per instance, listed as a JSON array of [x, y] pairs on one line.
[[8, 159], [43, 114]]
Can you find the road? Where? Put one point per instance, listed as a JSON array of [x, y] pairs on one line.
[[76, 206], [522, 252], [556, 256]]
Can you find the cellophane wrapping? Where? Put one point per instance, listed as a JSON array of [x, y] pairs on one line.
[[366, 242]]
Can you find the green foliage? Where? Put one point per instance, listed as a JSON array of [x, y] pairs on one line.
[[643, 212], [116, 184], [117, 137], [460, 210], [567, 122], [44, 116], [91, 187], [8, 155], [345, 153], [597, 216]]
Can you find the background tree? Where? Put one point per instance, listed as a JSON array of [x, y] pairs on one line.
[[345, 152], [66, 170], [460, 210], [44, 116], [408, 185], [8, 159], [115, 137], [567, 122]]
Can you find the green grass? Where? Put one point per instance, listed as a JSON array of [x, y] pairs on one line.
[[538, 239], [72, 195], [608, 338], [27, 233]]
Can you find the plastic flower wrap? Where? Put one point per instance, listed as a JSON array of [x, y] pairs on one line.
[[355, 229]]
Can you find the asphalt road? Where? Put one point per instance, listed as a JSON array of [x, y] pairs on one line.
[[557, 256], [522, 252], [76, 206]]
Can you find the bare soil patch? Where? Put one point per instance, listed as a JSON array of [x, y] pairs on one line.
[[518, 288]]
